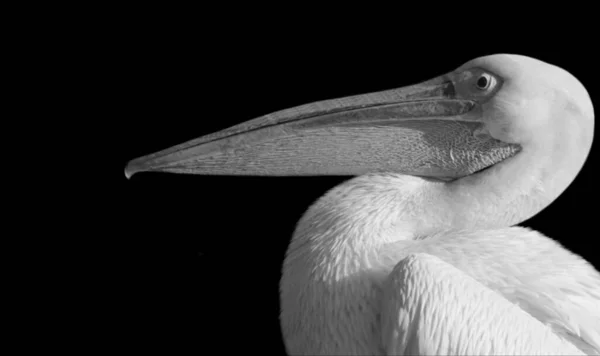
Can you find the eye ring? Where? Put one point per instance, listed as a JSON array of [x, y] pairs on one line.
[[485, 82]]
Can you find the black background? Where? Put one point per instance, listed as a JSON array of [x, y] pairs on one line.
[[203, 254]]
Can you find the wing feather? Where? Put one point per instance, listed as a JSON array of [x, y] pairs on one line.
[[430, 307], [527, 269]]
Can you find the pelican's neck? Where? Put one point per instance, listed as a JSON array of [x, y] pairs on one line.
[[331, 278], [503, 195]]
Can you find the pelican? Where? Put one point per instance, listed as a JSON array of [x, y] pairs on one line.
[[419, 253]]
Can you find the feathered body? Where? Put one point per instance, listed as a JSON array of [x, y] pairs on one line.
[[335, 273]]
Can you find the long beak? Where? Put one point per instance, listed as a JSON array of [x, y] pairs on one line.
[[422, 129]]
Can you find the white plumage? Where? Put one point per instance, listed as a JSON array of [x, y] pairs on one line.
[[497, 292]]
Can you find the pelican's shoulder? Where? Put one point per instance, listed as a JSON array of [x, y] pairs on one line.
[[425, 304], [534, 272]]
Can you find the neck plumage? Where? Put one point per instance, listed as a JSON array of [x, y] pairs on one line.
[[369, 211]]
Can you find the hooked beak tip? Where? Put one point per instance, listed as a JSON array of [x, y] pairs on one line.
[[130, 170]]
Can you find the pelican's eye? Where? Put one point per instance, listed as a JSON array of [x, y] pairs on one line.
[[485, 82]]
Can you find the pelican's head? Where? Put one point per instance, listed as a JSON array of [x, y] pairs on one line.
[[528, 98], [457, 124]]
